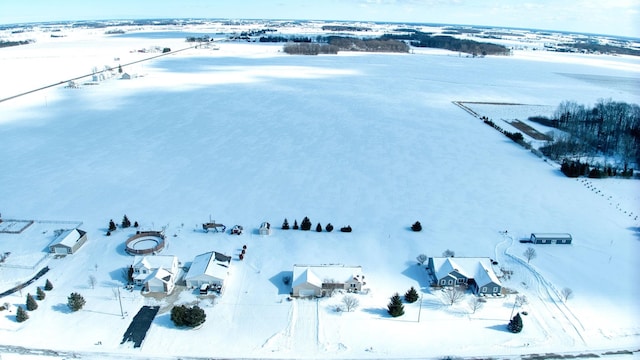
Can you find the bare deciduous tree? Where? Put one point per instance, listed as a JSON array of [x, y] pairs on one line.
[[350, 302], [566, 293], [421, 259], [453, 294], [448, 253], [92, 281], [519, 301], [476, 303], [529, 254]]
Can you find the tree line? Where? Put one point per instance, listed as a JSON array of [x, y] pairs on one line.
[[609, 131], [5, 43], [422, 39], [333, 44]]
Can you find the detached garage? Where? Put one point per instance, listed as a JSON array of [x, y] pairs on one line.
[[68, 242]]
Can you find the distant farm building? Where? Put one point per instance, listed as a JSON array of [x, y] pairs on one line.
[[265, 229], [210, 269], [322, 280], [551, 238], [476, 273], [68, 242]]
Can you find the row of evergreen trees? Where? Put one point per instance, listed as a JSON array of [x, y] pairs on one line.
[[124, 224], [576, 168], [306, 225], [31, 303], [395, 307]]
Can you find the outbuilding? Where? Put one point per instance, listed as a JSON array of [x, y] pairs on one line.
[[68, 242], [551, 238]]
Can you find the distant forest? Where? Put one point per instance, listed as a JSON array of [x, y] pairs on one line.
[[605, 137], [422, 39], [333, 44]]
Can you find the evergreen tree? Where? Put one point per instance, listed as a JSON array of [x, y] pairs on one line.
[[319, 228], [75, 301], [130, 274], [395, 307], [411, 295], [135, 224], [125, 222], [295, 225], [112, 225], [515, 325], [305, 224], [416, 226], [31, 303], [285, 224], [40, 294], [329, 227], [21, 315], [48, 285], [188, 316]]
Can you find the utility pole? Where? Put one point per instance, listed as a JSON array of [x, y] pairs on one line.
[[420, 308], [120, 302]]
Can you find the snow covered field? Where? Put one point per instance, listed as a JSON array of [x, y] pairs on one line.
[[246, 134]]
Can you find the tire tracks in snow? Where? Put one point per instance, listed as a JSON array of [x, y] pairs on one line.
[[546, 293]]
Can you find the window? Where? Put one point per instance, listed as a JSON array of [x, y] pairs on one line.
[[484, 289], [450, 282], [460, 281], [495, 289], [442, 282]]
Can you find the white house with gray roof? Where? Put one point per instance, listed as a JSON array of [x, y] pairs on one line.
[[322, 280], [477, 273], [210, 268]]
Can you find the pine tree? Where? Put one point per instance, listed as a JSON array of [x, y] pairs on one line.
[[416, 226], [31, 303], [40, 294], [285, 224], [188, 316], [319, 228], [112, 225], [305, 224], [329, 227], [411, 295], [295, 225], [21, 315], [515, 325], [395, 307], [135, 224], [75, 301], [48, 285], [125, 222]]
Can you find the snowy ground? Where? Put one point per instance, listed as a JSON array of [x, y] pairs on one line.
[[246, 134]]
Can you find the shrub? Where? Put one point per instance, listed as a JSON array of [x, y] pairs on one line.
[[319, 228], [125, 222], [188, 316], [329, 227], [416, 226], [75, 301]]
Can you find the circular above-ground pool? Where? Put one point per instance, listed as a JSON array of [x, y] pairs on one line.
[[145, 242]]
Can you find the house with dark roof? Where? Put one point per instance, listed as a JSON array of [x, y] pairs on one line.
[[322, 280], [476, 273]]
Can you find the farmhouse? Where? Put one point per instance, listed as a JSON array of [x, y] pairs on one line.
[[209, 269], [322, 280], [156, 273], [68, 242], [477, 273], [551, 238]]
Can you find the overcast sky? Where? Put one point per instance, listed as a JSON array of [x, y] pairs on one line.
[[612, 17]]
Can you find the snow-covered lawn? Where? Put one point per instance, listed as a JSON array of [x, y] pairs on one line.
[[246, 134]]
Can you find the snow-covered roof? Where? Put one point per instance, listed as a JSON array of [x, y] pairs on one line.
[[210, 263], [68, 237], [155, 261], [552, 235], [317, 274], [478, 269]]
